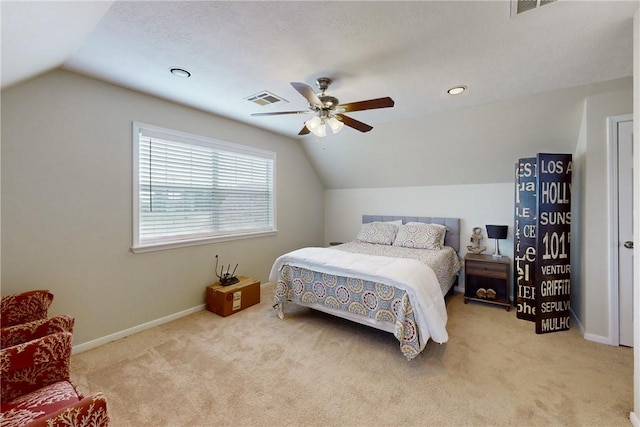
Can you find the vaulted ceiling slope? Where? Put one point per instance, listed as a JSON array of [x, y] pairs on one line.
[[474, 145], [38, 36], [410, 51]]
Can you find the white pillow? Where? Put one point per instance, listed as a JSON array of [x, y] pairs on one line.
[[420, 236], [397, 222], [377, 232]]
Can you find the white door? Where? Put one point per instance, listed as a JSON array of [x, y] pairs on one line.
[[625, 231]]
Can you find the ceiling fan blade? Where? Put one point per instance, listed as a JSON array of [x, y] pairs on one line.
[[362, 127], [369, 104], [277, 113], [307, 91], [305, 130]]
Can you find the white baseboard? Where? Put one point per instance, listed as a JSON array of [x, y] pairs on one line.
[[597, 338], [590, 337], [118, 335], [635, 421]]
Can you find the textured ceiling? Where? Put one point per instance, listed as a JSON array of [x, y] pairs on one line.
[[410, 51]]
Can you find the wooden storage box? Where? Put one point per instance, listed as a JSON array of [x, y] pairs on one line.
[[226, 300]]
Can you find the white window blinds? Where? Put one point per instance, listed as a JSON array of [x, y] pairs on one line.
[[192, 188]]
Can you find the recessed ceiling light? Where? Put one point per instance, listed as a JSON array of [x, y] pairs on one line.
[[456, 90], [180, 72]]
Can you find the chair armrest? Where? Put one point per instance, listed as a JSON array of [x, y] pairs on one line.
[[18, 334], [90, 411], [34, 364], [25, 307]]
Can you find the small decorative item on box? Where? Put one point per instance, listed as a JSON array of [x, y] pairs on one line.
[[227, 278]]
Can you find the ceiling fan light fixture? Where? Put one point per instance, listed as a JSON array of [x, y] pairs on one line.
[[335, 125], [316, 126], [329, 111], [457, 90], [313, 123], [320, 131]]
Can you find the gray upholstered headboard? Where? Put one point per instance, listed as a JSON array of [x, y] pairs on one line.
[[452, 238]]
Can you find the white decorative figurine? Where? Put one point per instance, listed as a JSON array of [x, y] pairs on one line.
[[476, 239]]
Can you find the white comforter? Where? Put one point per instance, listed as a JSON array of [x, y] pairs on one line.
[[416, 278]]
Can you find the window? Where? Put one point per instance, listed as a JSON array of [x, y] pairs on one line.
[[190, 190]]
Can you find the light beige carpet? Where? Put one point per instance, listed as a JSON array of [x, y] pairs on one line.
[[253, 369]]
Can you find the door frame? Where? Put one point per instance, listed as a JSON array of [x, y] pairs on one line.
[[614, 285]]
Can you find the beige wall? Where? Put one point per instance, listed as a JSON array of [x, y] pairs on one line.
[[594, 250], [476, 206], [635, 415], [67, 204], [578, 228]]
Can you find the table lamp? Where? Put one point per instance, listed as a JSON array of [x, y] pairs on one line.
[[497, 232]]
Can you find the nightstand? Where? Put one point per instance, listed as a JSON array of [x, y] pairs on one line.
[[486, 279]]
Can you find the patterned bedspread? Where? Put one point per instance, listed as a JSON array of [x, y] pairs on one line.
[[410, 297], [445, 262]]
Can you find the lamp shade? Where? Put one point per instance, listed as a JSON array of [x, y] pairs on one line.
[[335, 124], [497, 231]]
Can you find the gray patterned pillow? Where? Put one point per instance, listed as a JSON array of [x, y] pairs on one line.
[[381, 233], [421, 236]]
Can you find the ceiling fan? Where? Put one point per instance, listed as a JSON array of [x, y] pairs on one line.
[[329, 110]]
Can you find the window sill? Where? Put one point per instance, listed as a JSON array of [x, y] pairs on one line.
[[152, 247]]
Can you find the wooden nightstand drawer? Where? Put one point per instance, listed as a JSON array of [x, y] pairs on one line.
[[499, 271]]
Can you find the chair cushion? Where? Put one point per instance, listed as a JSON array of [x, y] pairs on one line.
[[89, 412], [18, 334], [24, 307], [27, 367], [38, 403]]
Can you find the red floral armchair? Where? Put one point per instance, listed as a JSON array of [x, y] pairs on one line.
[[24, 318], [37, 389], [35, 353]]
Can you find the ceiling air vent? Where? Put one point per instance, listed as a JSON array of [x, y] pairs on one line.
[[521, 6], [265, 98]]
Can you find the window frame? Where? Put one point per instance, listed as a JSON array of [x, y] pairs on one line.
[[199, 140]]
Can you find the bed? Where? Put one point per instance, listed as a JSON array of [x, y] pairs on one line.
[[393, 276]]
